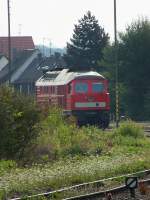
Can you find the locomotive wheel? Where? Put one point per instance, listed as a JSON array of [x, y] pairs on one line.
[[81, 123], [104, 124], [104, 121]]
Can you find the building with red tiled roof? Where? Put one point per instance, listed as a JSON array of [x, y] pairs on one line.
[[18, 43]]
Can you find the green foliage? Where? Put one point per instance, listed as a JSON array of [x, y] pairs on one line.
[[77, 156], [18, 123], [2, 195], [6, 165], [147, 104], [87, 43], [135, 57], [72, 171], [130, 129], [133, 70], [110, 73], [60, 139]]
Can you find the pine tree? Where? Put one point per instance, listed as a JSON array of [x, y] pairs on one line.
[[87, 44]]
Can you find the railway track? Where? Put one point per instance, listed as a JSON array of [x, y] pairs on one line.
[[99, 190], [147, 129], [122, 193]]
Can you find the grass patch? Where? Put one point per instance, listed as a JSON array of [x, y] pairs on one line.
[[71, 171], [6, 166], [60, 139], [131, 129], [65, 155]]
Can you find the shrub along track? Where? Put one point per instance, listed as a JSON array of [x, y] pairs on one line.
[[145, 125], [147, 129], [123, 152], [99, 189]]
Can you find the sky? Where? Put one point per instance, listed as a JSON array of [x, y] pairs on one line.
[[51, 22]]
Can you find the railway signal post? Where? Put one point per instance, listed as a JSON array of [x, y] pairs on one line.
[[131, 184], [9, 41], [116, 69]]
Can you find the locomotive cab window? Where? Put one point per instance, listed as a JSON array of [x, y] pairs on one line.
[[81, 87], [97, 87]]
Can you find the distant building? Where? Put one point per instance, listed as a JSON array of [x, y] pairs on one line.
[[24, 71], [54, 61], [27, 63], [3, 62], [18, 44]]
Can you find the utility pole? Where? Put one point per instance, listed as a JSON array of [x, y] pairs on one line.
[[19, 31], [9, 41], [43, 47], [50, 48], [116, 64]]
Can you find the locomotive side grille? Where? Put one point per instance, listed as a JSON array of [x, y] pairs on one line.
[[38, 91]]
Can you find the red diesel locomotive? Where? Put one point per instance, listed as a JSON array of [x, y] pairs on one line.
[[81, 94]]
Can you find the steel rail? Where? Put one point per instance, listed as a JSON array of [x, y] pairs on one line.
[[46, 194], [104, 193]]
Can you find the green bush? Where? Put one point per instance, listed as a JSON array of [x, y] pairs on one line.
[[19, 119], [2, 194], [6, 165], [59, 139], [131, 129]]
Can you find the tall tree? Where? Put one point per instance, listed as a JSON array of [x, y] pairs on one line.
[[87, 43], [134, 68], [109, 72], [135, 56]]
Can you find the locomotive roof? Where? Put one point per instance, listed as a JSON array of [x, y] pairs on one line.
[[64, 76]]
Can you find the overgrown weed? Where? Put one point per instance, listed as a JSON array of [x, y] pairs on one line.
[[131, 129], [59, 139], [64, 155]]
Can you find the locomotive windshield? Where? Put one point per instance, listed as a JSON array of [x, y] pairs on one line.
[[97, 87], [81, 87]]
